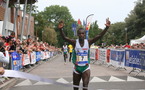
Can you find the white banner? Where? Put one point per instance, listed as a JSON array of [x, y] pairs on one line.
[[102, 55], [92, 53], [18, 74], [25, 59], [33, 57]]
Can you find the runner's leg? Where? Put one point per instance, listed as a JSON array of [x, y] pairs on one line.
[[70, 57], [76, 80], [64, 58], [86, 78]]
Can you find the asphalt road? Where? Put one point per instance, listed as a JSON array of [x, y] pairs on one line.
[[102, 77]]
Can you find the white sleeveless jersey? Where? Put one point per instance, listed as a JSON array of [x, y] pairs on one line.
[[82, 53], [64, 48]]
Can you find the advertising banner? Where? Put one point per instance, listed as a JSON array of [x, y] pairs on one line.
[[117, 58], [38, 56], [16, 61], [135, 58]]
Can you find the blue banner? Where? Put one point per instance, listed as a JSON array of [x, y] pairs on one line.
[[113, 55], [121, 56], [16, 61], [74, 27], [117, 55], [38, 56], [135, 58]]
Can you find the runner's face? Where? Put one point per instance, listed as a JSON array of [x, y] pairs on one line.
[[81, 34]]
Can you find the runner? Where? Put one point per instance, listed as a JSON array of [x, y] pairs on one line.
[[80, 57], [65, 50]]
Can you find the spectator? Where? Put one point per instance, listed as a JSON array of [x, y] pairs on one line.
[[127, 46], [3, 58]]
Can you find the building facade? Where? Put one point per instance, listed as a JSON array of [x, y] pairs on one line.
[[11, 17]]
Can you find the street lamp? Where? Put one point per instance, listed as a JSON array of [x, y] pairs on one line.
[[113, 37], [126, 35], [17, 4]]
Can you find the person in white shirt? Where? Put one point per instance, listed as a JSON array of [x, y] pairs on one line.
[[65, 51], [3, 58]]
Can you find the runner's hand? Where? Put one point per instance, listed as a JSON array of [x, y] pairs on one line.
[[60, 25], [2, 71], [107, 22]]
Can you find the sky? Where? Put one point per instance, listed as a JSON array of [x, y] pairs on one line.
[[116, 10]]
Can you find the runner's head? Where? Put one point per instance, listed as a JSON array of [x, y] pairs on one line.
[[64, 43], [81, 33]]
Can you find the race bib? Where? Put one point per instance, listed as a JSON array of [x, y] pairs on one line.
[[82, 58]]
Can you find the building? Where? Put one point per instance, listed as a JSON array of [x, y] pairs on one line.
[[10, 20]]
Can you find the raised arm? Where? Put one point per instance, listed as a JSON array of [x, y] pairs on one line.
[[60, 27], [91, 41]]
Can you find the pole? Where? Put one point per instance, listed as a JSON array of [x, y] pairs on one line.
[[5, 19], [29, 20], [42, 36], [126, 34], [36, 22], [15, 18], [24, 12]]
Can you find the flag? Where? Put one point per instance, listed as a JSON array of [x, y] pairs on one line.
[[79, 22]]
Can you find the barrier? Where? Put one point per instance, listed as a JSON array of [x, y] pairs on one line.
[[117, 58], [135, 59], [103, 55], [38, 56], [18, 61], [33, 57], [121, 58], [93, 55]]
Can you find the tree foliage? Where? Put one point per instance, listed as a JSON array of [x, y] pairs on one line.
[[52, 15], [94, 30], [116, 34], [135, 22], [50, 36]]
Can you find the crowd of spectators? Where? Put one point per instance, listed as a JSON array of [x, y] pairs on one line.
[[28, 45], [11, 44], [126, 46]]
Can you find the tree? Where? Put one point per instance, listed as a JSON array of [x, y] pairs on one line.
[[55, 13], [49, 35], [115, 34], [34, 9], [140, 19], [136, 20], [94, 30]]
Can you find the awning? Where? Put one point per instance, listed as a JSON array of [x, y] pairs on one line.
[[138, 41]]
